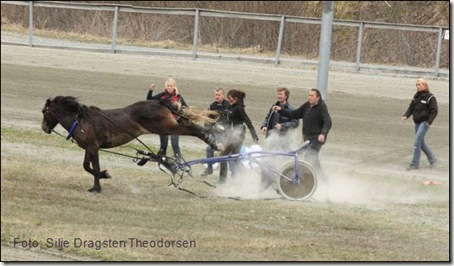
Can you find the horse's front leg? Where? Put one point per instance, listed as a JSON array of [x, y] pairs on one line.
[[93, 158]]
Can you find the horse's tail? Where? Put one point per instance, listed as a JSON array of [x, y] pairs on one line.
[[197, 115]]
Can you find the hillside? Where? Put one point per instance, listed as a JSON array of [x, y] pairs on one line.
[[406, 12]]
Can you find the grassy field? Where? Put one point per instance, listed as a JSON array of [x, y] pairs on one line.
[[372, 209], [42, 201]]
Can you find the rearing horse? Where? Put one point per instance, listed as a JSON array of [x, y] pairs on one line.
[[93, 128]]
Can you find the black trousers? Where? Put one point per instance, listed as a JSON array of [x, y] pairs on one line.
[[174, 141]]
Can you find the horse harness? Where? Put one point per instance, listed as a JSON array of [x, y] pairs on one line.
[[168, 162], [73, 126]]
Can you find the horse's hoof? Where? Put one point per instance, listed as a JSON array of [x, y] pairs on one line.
[[108, 175], [219, 128], [93, 189], [219, 147], [104, 174]]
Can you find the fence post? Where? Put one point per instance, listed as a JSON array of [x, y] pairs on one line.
[[114, 29], [196, 34], [359, 46], [30, 24], [437, 60], [279, 40]]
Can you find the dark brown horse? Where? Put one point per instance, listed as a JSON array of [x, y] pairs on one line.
[[94, 129]]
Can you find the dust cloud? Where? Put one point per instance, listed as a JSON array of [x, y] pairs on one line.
[[346, 182], [248, 184], [369, 185]]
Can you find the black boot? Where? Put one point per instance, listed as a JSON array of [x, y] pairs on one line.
[[207, 171], [178, 158], [161, 153]]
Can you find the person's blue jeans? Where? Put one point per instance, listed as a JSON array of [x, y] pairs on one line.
[[420, 145], [174, 141]]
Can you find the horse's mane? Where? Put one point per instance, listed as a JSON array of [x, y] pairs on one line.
[[72, 104], [197, 115]]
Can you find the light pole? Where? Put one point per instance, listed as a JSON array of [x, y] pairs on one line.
[[325, 48]]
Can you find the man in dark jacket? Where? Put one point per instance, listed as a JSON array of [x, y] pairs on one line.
[[221, 105], [275, 122], [424, 109], [316, 125]]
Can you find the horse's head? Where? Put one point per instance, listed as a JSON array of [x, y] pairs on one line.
[[55, 110], [49, 121]]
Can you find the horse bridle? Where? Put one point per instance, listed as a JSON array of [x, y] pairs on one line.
[[48, 112], [48, 120]]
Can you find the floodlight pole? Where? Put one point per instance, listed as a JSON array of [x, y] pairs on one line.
[[325, 48]]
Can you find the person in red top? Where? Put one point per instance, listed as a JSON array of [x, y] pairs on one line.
[[169, 96]]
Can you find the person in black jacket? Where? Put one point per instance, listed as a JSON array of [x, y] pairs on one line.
[[275, 122], [424, 109], [316, 125], [221, 105], [235, 131], [169, 96]]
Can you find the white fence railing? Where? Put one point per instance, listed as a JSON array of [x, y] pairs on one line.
[[205, 32]]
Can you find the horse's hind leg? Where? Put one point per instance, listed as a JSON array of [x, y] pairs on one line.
[[211, 140], [191, 129], [204, 133]]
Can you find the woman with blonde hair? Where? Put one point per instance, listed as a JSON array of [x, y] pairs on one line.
[[170, 98], [424, 109]]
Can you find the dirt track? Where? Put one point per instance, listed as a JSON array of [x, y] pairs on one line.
[[366, 109], [367, 137]]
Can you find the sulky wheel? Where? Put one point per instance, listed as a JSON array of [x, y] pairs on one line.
[[297, 190]]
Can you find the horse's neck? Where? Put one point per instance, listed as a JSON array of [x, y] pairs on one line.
[[68, 120]]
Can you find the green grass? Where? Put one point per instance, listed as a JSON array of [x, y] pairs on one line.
[[44, 195]]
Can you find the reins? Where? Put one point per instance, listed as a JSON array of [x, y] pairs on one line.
[[174, 172], [117, 153], [76, 122], [173, 182], [150, 153], [127, 131], [172, 175], [119, 126]]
